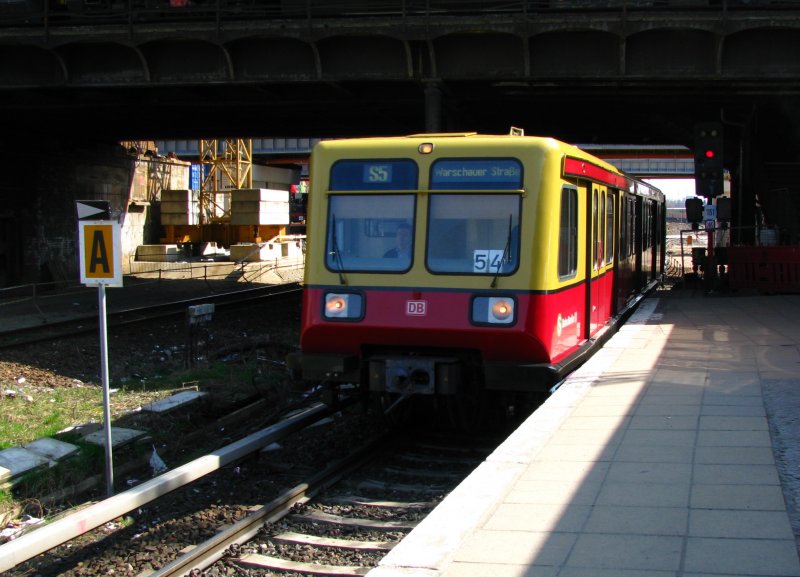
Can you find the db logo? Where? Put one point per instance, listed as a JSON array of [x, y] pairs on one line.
[[417, 308]]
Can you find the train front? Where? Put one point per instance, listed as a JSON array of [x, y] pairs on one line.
[[414, 281]]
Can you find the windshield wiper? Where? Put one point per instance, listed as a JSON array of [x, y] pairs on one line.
[[336, 253], [506, 254]]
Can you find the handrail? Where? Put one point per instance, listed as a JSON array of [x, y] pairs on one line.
[[33, 292]]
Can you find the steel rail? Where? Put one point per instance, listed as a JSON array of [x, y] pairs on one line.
[[208, 552], [134, 315], [48, 536]]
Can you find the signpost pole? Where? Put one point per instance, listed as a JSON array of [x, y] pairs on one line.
[[101, 307], [101, 265]]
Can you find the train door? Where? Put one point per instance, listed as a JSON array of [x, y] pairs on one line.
[[625, 249], [644, 248], [654, 244], [591, 261], [638, 243], [651, 243], [612, 237], [662, 239], [659, 239], [600, 306]]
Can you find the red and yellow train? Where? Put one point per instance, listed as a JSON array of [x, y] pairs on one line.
[[459, 265]]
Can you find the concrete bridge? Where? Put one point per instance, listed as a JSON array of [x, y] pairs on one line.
[[75, 73], [585, 70]]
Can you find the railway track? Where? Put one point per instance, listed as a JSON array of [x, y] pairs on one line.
[[191, 489], [278, 509], [129, 316], [344, 519], [334, 498], [241, 532]]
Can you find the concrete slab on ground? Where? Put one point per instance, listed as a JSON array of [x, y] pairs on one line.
[[52, 449], [173, 402], [15, 461], [119, 437]]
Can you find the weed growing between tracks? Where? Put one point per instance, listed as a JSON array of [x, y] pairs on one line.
[[29, 412], [179, 436], [48, 388]]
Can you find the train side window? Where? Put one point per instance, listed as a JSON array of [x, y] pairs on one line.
[[601, 230], [568, 234], [630, 224], [595, 232], [609, 226], [645, 224]]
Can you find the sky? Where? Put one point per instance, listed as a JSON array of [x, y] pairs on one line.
[[674, 188]]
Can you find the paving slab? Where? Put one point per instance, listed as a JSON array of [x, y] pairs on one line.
[[15, 461], [173, 402], [751, 557], [52, 449], [119, 437]]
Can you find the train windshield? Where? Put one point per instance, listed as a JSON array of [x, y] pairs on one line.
[[473, 233], [370, 232]]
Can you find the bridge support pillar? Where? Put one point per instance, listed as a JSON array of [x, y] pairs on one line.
[[433, 107]]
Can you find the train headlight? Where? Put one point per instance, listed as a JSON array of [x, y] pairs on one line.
[[502, 310], [494, 310], [343, 306]]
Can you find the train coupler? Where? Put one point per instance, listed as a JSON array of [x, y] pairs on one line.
[[408, 375]]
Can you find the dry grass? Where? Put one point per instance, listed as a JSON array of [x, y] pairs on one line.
[[42, 404]]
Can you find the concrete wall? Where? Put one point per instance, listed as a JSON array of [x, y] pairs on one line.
[[38, 195], [141, 219]]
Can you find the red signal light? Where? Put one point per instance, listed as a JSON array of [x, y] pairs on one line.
[[709, 154]]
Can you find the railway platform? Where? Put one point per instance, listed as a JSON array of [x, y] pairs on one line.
[[673, 452]]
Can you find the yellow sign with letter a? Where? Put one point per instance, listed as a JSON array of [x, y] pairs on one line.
[[100, 253]]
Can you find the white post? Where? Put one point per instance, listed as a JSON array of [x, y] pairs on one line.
[[101, 288]]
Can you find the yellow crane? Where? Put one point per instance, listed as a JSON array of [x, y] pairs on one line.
[[230, 167]]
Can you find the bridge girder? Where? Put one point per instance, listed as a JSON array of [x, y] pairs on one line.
[[613, 74]]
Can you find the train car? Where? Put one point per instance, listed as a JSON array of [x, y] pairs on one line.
[[468, 267]]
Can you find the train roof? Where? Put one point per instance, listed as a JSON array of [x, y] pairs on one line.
[[621, 180]]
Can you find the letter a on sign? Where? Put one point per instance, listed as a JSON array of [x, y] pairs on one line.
[[100, 253]]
